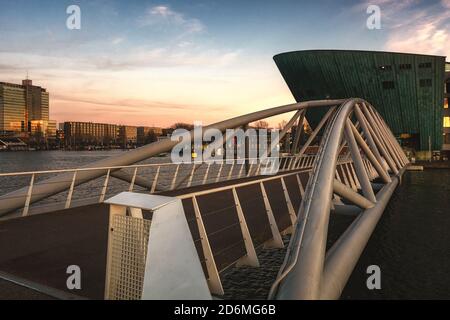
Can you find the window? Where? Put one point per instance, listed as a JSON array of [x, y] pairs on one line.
[[388, 85], [423, 65], [385, 67], [446, 122], [405, 66], [445, 103], [425, 82]]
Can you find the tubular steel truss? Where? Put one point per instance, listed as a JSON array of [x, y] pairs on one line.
[[112, 166], [309, 271], [356, 169]]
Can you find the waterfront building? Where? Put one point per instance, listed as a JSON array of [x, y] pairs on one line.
[[446, 133], [20, 105], [46, 128], [147, 135], [407, 89], [128, 136], [80, 134]]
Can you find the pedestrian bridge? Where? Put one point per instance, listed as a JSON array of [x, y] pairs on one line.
[[140, 228]]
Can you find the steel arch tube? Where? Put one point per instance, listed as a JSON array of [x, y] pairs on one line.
[[303, 279], [362, 121], [348, 193], [344, 254], [358, 163], [308, 272], [49, 187]]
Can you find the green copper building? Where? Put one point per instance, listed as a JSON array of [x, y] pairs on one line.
[[407, 89]]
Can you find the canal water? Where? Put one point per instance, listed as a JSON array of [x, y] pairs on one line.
[[411, 243], [50, 160]]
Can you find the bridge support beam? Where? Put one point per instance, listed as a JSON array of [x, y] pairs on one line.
[[348, 193], [342, 257], [310, 271]]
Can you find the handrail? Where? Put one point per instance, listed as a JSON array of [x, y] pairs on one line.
[[247, 183], [156, 178], [224, 161]]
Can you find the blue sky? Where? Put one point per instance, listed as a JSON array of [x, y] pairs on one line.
[[157, 62]]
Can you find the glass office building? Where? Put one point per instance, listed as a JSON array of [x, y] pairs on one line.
[[20, 105]]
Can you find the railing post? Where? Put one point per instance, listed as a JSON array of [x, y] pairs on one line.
[[231, 171], [258, 168], [300, 162], [242, 169], [251, 259], [354, 175], [350, 176], [290, 207], [72, 186], [205, 178], [343, 179], [220, 172], [250, 170], [191, 176], [174, 180], [214, 283], [105, 186], [155, 180], [133, 179], [28, 198], [276, 241], [291, 160], [297, 163]]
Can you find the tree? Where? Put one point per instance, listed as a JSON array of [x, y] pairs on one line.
[[183, 125], [261, 124], [281, 125], [151, 137], [308, 129]]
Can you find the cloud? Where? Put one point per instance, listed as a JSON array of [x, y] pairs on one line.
[[426, 38], [423, 30], [390, 9], [412, 25], [164, 58], [134, 58], [117, 40], [124, 105], [125, 111], [165, 16]]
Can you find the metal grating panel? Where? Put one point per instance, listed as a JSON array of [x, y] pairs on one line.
[[128, 255]]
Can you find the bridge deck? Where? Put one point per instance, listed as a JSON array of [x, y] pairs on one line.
[[39, 248]]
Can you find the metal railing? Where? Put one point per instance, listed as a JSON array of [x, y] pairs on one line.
[[152, 178]]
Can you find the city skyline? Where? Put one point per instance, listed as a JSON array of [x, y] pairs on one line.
[[154, 63]]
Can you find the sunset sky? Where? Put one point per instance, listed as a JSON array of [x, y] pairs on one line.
[[159, 62]]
